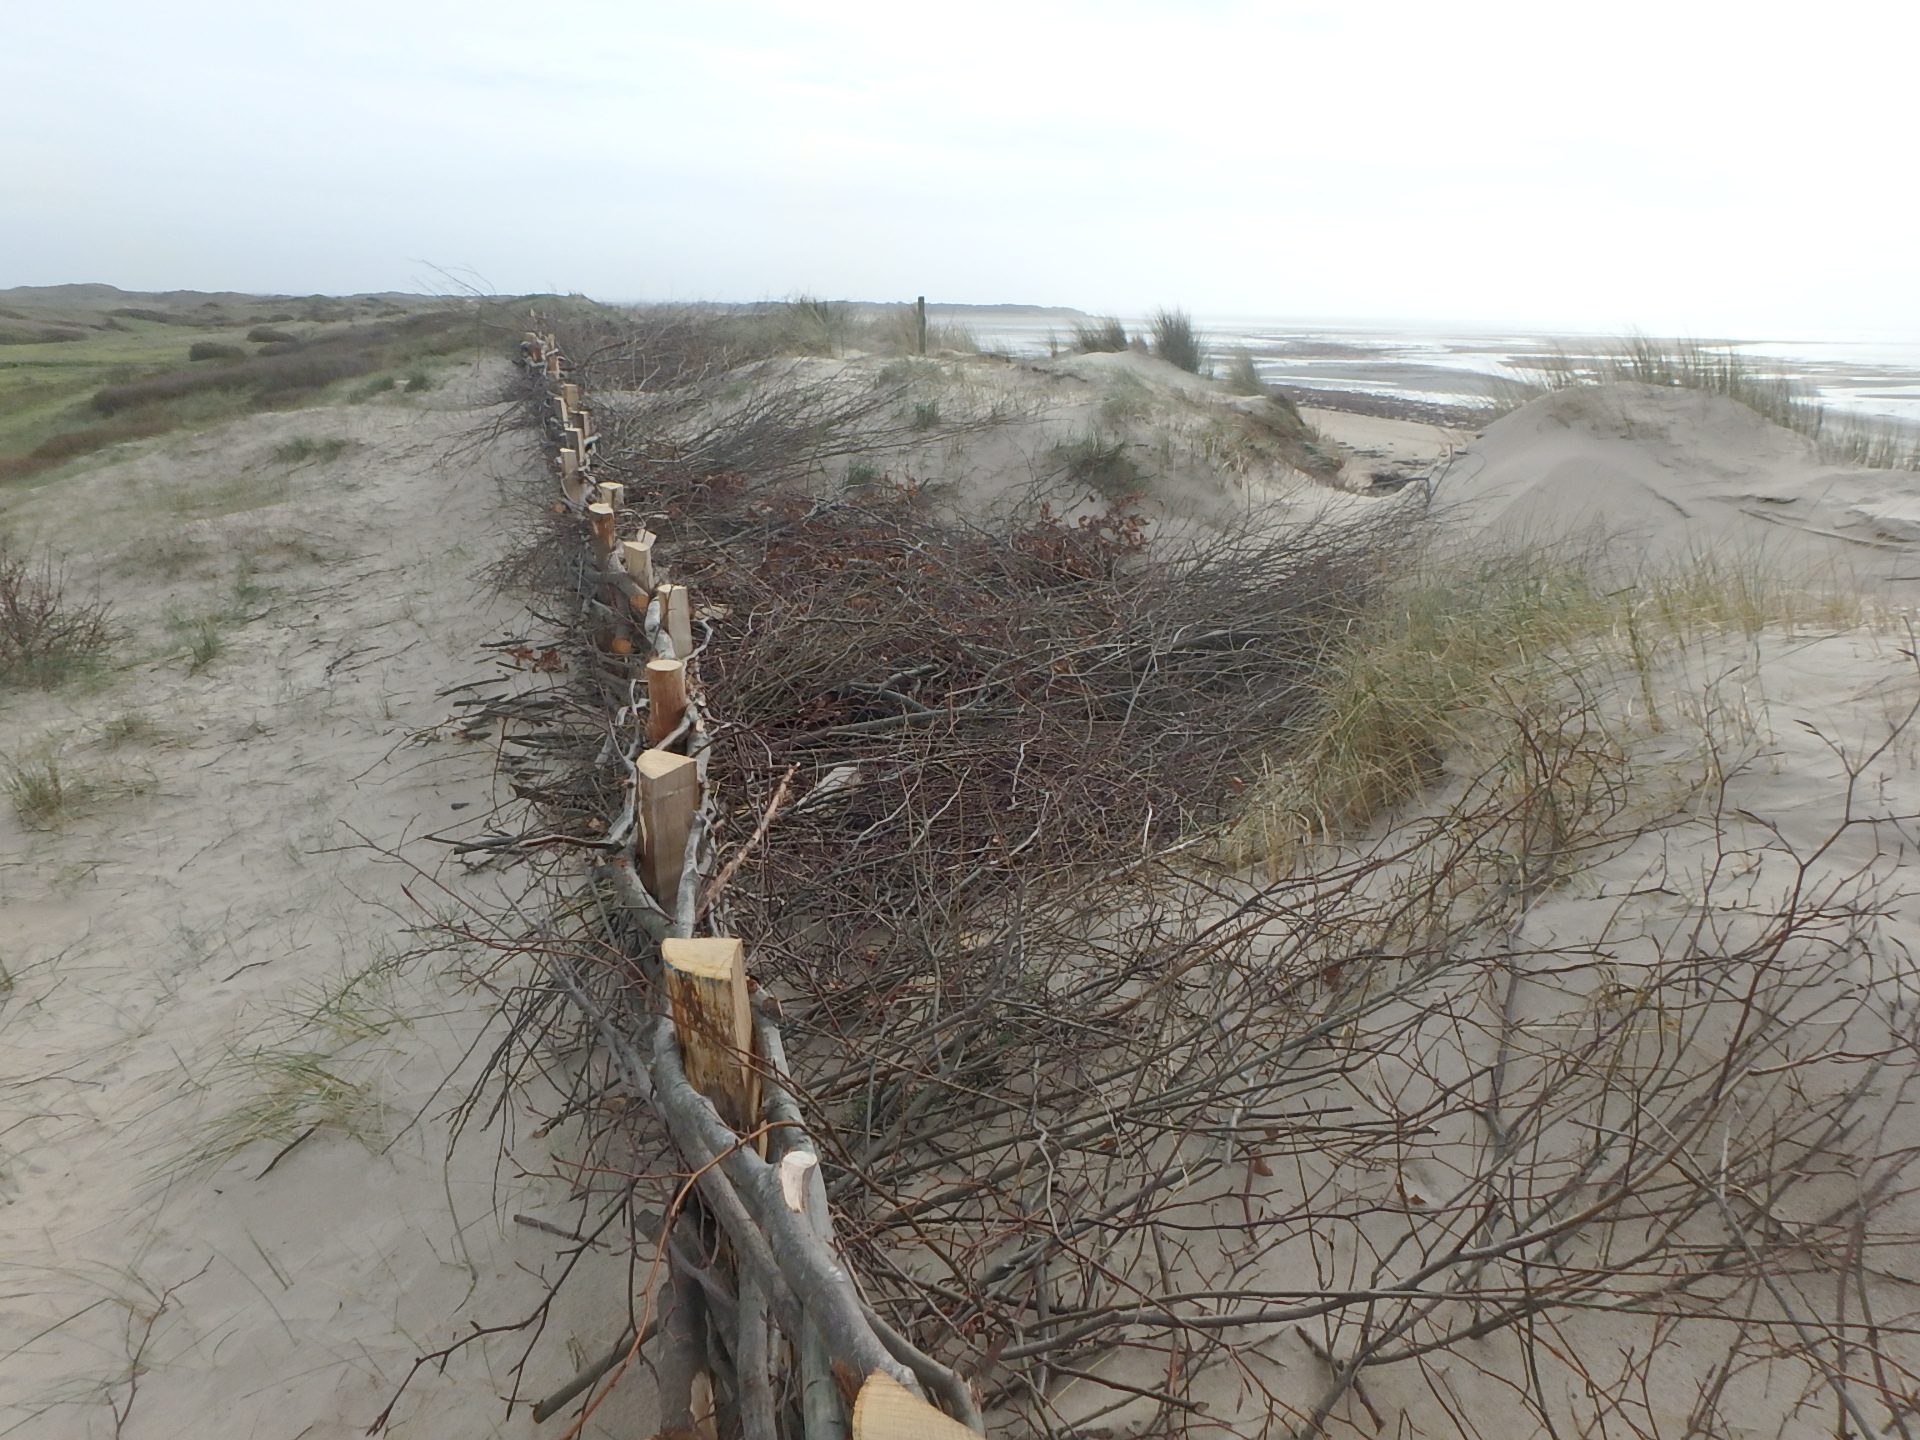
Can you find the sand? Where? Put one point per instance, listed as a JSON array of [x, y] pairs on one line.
[[215, 934], [1673, 472]]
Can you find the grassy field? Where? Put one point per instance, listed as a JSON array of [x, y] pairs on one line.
[[81, 372]]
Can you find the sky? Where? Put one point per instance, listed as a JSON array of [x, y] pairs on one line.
[[1682, 167]]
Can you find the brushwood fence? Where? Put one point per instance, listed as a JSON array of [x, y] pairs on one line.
[[772, 1307]]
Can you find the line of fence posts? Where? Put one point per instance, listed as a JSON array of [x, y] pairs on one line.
[[720, 1047]]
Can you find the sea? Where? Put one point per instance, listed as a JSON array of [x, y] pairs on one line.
[[1868, 375]]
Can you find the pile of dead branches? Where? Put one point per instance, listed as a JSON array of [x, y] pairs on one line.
[[1135, 1145]]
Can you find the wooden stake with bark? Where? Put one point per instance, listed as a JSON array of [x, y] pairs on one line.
[[666, 699], [707, 989]]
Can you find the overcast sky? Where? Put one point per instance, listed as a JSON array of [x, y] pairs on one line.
[[1691, 166]]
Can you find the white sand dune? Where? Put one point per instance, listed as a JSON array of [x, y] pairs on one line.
[[1669, 472]]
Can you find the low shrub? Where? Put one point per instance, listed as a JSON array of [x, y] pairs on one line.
[[302, 449], [38, 335], [267, 335], [214, 350], [70, 443], [44, 633]]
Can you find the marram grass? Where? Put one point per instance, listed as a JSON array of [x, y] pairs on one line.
[[1427, 675]]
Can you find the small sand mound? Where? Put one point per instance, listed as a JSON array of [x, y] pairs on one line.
[[1676, 471]]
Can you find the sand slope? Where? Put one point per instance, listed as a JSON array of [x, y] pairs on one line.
[[207, 950], [1676, 471]]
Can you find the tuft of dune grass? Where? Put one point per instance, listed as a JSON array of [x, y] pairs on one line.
[[1722, 370], [1464, 639]]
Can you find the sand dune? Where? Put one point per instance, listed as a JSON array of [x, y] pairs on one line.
[[1669, 472], [204, 958]]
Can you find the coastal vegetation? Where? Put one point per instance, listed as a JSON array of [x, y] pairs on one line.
[[1720, 369], [100, 374]]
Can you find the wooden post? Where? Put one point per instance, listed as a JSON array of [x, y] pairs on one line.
[[574, 440], [666, 698], [920, 323], [887, 1410], [676, 618], [570, 395], [636, 558], [707, 986], [572, 483], [667, 796], [553, 363], [612, 494], [600, 516]]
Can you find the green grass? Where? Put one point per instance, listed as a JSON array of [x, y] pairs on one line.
[[1243, 377], [202, 638], [1177, 342], [1100, 463], [1461, 643], [47, 791], [302, 1078], [130, 375], [1103, 336]]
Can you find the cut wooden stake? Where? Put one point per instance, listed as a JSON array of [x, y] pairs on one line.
[[707, 985], [553, 362], [887, 1410], [668, 795], [570, 395], [575, 441], [676, 618], [613, 494], [794, 1166], [666, 698], [600, 516], [636, 558]]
